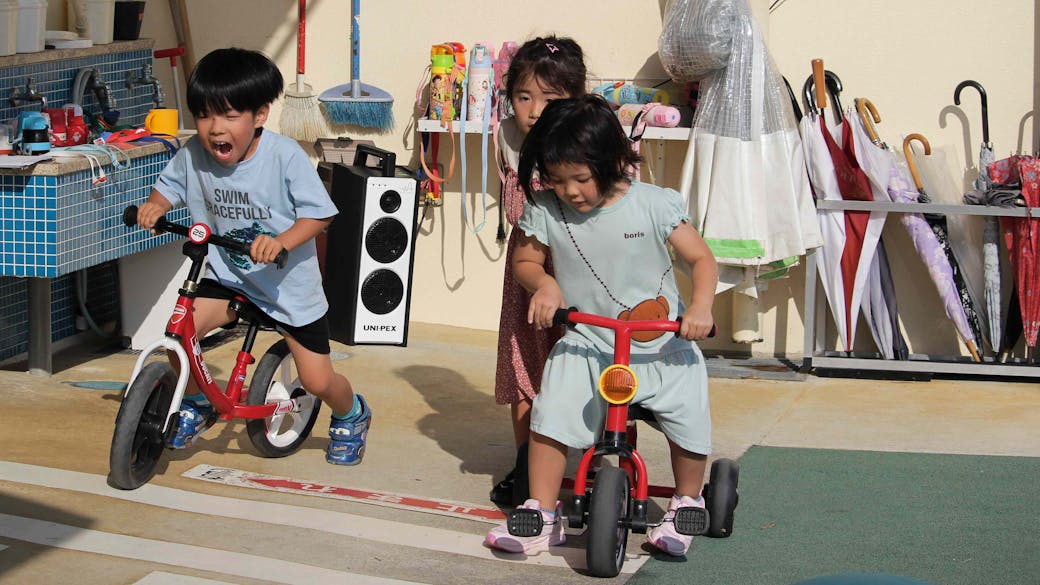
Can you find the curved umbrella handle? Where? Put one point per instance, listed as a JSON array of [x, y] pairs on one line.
[[863, 106], [833, 83], [909, 154], [985, 106]]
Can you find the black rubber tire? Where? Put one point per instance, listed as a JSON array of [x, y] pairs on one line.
[[608, 534], [137, 442], [720, 497], [275, 379]]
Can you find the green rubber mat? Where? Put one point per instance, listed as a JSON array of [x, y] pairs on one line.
[[809, 513]]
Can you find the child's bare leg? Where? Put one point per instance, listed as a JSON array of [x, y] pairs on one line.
[[688, 469], [318, 377], [547, 462], [521, 415]]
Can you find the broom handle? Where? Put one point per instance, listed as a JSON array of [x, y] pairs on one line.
[[355, 49], [301, 44]]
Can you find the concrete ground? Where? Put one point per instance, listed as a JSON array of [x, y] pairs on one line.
[[437, 436]]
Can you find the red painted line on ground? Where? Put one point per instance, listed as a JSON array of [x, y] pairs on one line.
[[240, 478]]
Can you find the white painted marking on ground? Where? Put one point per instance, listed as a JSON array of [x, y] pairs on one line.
[[171, 553], [249, 479], [161, 578], [373, 529]]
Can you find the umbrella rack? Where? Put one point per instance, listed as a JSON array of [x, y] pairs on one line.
[[816, 312]]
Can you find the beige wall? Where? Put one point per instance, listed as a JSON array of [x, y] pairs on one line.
[[907, 57]]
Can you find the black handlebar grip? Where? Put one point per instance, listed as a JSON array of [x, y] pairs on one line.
[[130, 216], [562, 316], [281, 258]]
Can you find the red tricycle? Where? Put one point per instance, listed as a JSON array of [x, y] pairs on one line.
[[279, 413], [616, 502]]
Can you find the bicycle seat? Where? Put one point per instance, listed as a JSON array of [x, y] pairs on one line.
[[250, 313]]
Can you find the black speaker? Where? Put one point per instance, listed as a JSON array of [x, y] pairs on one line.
[[369, 250]]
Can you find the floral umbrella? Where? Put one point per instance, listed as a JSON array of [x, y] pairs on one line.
[[883, 168], [938, 224]]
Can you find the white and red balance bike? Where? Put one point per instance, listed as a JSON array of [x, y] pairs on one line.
[[279, 413], [616, 502]]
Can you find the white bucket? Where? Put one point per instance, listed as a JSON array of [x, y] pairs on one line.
[[8, 28], [101, 18], [32, 22]]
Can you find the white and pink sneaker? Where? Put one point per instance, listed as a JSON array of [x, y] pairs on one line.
[[552, 533], [665, 537]]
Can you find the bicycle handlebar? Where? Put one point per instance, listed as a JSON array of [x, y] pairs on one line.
[[165, 225], [573, 316]]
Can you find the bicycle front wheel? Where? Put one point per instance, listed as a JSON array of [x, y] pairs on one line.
[[275, 379], [137, 443]]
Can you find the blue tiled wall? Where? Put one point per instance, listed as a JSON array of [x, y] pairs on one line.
[[55, 226], [102, 301], [54, 80]]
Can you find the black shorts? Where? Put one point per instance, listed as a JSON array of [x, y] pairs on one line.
[[314, 336]]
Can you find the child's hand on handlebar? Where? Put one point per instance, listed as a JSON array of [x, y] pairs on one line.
[[696, 324], [265, 249], [544, 303], [149, 213]]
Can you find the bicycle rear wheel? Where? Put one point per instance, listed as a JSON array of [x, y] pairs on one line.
[[275, 379], [137, 443]]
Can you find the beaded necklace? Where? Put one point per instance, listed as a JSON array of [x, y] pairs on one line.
[[577, 248]]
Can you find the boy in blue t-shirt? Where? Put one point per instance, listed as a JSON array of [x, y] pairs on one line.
[[252, 184]]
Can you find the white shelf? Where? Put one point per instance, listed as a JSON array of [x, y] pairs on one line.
[[651, 133]]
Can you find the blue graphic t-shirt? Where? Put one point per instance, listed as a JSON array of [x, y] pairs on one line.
[[265, 194]]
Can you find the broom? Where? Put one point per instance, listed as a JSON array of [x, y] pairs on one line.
[[301, 117], [356, 103]]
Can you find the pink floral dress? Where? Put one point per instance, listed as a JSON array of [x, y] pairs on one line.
[[522, 349]]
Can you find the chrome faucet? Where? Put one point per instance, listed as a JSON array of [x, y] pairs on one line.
[[28, 95], [91, 80], [146, 78]]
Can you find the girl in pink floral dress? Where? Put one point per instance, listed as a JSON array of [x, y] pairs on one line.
[[543, 69]]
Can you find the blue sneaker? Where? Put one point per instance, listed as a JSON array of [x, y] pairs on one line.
[[195, 418], [347, 444]]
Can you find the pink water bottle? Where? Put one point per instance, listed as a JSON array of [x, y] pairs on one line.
[[501, 67]]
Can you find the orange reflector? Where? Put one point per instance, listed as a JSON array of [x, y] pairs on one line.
[[617, 384]]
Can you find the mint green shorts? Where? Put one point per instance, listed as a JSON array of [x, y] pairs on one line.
[[673, 386]]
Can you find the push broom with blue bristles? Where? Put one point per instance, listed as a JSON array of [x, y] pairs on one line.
[[356, 103]]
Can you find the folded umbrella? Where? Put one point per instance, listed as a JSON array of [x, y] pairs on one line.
[[938, 224]]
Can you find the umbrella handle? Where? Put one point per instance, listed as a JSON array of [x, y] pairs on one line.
[[909, 154], [863, 107], [985, 106], [818, 82]]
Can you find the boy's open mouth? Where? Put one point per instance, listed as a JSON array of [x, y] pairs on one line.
[[223, 148]]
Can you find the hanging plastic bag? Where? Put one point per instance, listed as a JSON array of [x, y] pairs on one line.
[[697, 37]]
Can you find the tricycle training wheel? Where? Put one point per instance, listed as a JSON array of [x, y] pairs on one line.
[[275, 379], [720, 497], [137, 443], [608, 531]]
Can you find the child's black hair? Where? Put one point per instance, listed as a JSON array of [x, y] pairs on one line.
[[582, 130], [556, 61], [233, 78]]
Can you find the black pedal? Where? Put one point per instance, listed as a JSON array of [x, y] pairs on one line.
[[524, 522], [691, 521]]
